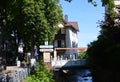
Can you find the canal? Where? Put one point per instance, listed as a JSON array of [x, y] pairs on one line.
[[73, 75]]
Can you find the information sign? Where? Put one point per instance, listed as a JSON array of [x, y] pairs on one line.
[[46, 50], [46, 57], [46, 46]]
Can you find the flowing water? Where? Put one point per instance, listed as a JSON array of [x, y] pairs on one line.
[[74, 75], [82, 75]]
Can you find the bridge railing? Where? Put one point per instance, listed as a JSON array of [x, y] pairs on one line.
[[68, 63], [64, 57]]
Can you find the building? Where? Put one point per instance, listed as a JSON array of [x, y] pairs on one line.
[[116, 10], [117, 6], [82, 49], [67, 37], [117, 2]]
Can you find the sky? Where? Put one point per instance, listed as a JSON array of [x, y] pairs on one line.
[[87, 17]]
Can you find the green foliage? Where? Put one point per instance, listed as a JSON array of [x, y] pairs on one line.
[[34, 20], [109, 3], [104, 2], [40, 74], [104, 52], [53, 18], [82, 55]]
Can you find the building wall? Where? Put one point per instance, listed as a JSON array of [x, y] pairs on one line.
[[68, 40], [71, 41], [117, 2], [55, 43]]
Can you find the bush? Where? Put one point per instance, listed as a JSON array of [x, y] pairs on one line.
[[82, 55], [40, 74]]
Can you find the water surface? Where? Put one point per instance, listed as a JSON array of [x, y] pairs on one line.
[[79, 75]]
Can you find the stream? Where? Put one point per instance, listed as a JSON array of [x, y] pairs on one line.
[[73, 75]]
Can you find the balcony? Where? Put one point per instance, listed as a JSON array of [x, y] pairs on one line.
[[60, 37]]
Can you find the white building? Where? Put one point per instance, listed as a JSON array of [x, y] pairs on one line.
[[67, 37], [117, 6], [117, 3]]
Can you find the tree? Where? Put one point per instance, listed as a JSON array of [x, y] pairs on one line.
[[33, 20], [109, 3], [53, 16], [103, 54], [104, 2]]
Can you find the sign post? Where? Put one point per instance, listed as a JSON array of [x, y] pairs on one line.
[[46, 48]]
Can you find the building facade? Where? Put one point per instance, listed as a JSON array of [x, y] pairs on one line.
[[117, 5], [117, 2], [67, 37]]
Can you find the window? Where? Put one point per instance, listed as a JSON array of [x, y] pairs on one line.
[[63, 31], [62, 43], [59, 43]]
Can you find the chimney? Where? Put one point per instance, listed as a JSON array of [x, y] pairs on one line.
[[66, 18]]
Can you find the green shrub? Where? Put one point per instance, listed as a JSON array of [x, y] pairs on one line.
[[82, 55], [40, 74]]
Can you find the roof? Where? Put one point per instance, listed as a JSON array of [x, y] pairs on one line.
[[71, 24], [82, 49]]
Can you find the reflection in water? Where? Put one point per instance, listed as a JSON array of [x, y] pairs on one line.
[[83, 75]]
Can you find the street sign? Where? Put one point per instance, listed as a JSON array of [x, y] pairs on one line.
[[46, 46], [46, 50]]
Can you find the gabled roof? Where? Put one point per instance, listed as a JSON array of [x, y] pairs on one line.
[[71, 24]]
